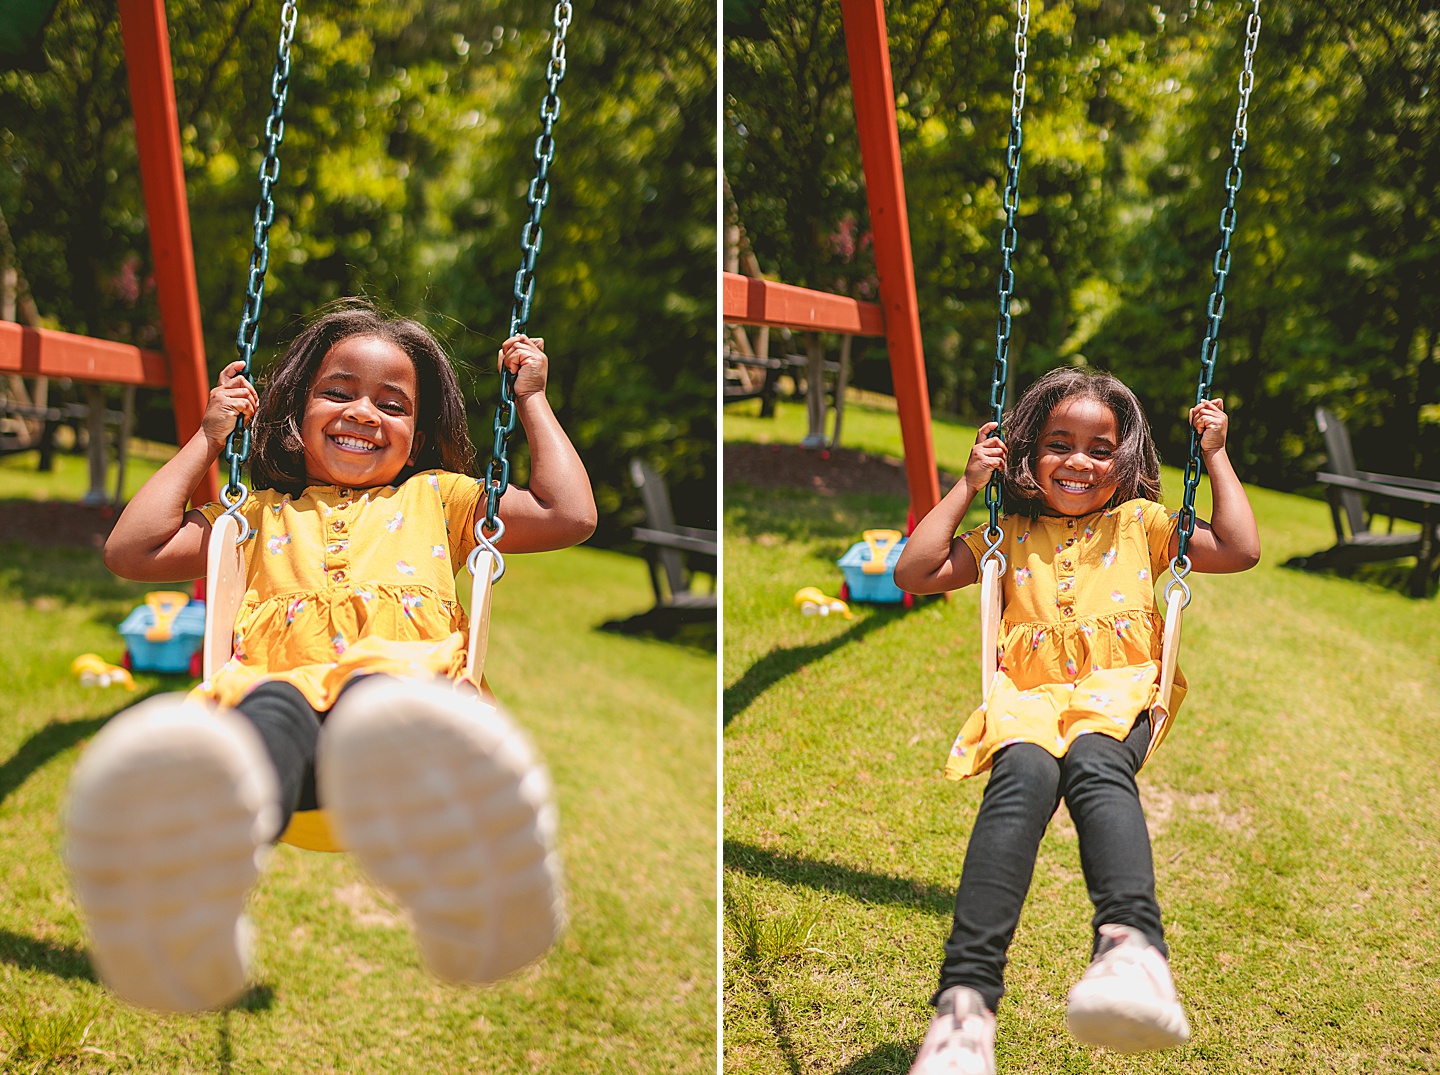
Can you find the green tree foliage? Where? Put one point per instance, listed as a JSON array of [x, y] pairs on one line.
[[793, 162], [1333, 292], [410, 132], [1332, 297]]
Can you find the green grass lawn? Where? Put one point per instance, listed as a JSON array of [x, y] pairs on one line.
[[627, 726], [70, 477], [1293, 809]]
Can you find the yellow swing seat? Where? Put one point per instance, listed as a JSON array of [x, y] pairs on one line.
[[224, 593]]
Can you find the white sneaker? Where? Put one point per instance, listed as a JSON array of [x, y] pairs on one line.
[[961, 1038], [446, 805], [1126, 1001], [170, 811]]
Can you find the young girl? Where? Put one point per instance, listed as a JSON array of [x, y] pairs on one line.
[[349, 645], [1068, 716]]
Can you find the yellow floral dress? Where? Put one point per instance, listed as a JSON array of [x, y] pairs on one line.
[[343, 582], [1081, 633]]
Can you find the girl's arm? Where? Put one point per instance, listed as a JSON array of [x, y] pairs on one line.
[[156, 539], [558, 508], [934, 559], [1230, 541]]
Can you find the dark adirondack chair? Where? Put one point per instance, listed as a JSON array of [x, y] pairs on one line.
[[1357, 496], [668, 547]]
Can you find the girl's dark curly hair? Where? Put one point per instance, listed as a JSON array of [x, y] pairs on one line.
[[1136, 463], [277, 458]]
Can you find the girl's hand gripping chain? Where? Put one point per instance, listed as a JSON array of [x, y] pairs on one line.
[[1212, 423], [986, 457], [557, 509], [934, 559], [1230, 541], [525, 357], [234, 397], [156, 539]]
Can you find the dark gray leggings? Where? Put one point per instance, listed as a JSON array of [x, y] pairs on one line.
[[290, 728], [1096, 778]]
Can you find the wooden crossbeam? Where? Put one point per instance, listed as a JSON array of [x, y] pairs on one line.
[[749, 301], [39, 352]]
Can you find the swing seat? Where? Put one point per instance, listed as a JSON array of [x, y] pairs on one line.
[[225, 591], [991, 609]]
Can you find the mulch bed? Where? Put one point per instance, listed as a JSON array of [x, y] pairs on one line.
[[55, 522], [838, 470]]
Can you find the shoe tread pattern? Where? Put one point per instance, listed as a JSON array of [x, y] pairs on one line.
[[169, 813], [447, 807]]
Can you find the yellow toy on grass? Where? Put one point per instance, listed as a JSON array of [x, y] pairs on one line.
[[94, 672], [814, 603]]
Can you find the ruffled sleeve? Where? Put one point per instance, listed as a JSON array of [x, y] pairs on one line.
[[976, 541], [460, 496], [1161, 526], [215, 509]]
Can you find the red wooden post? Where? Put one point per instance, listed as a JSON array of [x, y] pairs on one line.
[[157, 137], [874, 95]]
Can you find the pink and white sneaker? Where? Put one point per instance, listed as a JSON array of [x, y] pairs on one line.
[[961, 1038], [1126, 1000]]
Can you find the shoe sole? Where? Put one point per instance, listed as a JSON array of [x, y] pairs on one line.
[[446, 806], [169, 814], [1126, 1027]]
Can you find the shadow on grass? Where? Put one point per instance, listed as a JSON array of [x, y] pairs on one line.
[[783, 661], [1392, 576], [257, 998], [224, 1051], [778, 1026], [60, 960], [805, 515], [890, 1059], [43, 577], [695, 629], [860, 885], [37, 751]]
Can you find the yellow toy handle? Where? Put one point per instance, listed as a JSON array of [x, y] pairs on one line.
[[166, 605], [880, 542]]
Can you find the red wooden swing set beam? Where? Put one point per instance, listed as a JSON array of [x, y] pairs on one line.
[[749, 301], [897, 317], [46, 353]]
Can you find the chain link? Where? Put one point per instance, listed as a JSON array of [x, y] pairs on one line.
[[531, 235], [1008, 238], [1215, 309], [237, 447]]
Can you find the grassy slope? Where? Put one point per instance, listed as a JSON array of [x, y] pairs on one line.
[[627, 726], [1292, 810]]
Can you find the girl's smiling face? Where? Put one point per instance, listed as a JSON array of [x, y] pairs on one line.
[[360, 413], [1075, 456]]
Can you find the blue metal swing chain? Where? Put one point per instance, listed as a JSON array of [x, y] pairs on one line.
[[1001, 373], [1210, 347], [237, 447], [531, 235]]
